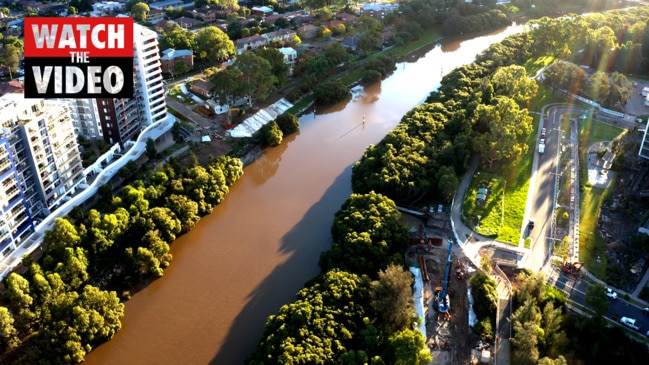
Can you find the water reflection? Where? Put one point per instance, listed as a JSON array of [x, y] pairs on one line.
[[267, 166]]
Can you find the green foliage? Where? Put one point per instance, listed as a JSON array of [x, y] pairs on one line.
[[392, 299], [288, 123], [596, 299], [270, 134], [483, 289], [367, 235], [331, 92], [485, 329], [408, 347]]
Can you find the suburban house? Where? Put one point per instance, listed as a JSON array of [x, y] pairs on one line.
[[253, 42], [282, 35], [378, 11], [261, 10], [207, 15], [155, 15], [160, 25], [107, 8], [11, 87], [307, 31], [201, 87], [346, 17], [290, 55], [186, 22], [171, 56]]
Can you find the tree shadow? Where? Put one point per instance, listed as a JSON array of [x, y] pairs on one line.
[[304, 242]]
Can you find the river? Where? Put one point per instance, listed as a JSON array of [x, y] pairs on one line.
[[250, 256]]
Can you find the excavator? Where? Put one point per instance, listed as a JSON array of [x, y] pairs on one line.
[[572, 270], [442, 303]]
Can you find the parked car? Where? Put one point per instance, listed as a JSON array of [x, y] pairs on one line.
[[531, 224], [645, 311], [629, 322], [542, 141], [543, 133], [611, 294]]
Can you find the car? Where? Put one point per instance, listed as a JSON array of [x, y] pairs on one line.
[[611, 294], [542, 141], [629, 322], [645, 311], [543, 133], [530, 224]]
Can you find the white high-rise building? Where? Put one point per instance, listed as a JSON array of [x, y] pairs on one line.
[[118, 120], [40, 164]]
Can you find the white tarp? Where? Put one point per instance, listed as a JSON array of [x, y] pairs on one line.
[[254, 123]]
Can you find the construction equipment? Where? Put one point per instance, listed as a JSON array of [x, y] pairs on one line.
[[572, 270], [459, 270], [442, 304]]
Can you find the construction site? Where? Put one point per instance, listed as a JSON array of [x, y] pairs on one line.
[[445, 273]]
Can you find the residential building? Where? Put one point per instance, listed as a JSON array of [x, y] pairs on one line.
[[187, 23], [121, 119], [282, 35], [155, 15], [201, 87], [85, 118], [249, 43], [11, 87], [171, 56], [40, 164], [644, 146], [378, 11], [307, 31]]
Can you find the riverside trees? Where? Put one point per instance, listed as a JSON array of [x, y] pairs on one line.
[[67, 304]]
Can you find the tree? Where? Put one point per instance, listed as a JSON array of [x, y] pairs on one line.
[[370, 37], [151, 150], [596, 299], [213, 45], [513, 82], [408, 347], [331, 92], [526, 322], [8, 334], [392, 299], [288, 123], [504, 128], [180, 68], [270, 133], [139, 11], [10, 58], [257, 79], [597, 87], [275, 58], [177, 38], [483, 289], [368, 235]]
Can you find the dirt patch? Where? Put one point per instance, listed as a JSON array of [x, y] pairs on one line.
[[449, 337]]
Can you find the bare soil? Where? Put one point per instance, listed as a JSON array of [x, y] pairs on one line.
[[449, 338]]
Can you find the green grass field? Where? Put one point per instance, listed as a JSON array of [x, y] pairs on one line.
[[485, 216]]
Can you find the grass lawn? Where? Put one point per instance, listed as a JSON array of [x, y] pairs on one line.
[[591, 244], [485, 218], [534, 65]]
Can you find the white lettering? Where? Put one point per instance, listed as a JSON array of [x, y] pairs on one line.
[[72, 74], [95, 36], [58, 79], [119, 79], [83, 34], [116, 36], [94, 79], [67, 37], [44, 35], [42, 80]]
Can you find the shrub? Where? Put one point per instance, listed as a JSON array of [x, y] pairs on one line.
[[288, 123], [371, 76], [271, 135], [331, 92]]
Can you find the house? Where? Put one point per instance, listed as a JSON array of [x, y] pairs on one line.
[[253, 42], [346, 17], [261, 10], [378, 11], [171, 56], [105, 8], [201, 87], [186, 22], [162, 24], [333, 23], [307, 31], [282, 35], [350, 43], [11, 87], [271, 19], [290, 55], [155, 15]]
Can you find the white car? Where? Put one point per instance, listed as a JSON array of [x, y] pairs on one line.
[[611, 294], [629, 322]]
